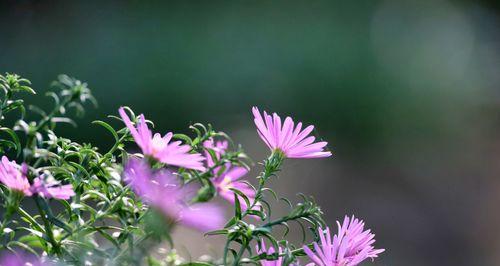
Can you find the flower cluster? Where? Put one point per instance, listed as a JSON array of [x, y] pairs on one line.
[[118, 207], [14, 177]]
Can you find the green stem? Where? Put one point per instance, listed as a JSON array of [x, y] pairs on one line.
[[271, 166], [48, 228], [240, 254], [13, 199], [6, 218], [128, 250], [113, 149], [55, 111], [30, 144], [226, 250], [28, 217], [285, 219]]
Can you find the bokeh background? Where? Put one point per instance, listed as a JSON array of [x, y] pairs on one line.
[[406, 93]]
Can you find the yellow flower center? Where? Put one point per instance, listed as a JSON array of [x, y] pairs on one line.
[[226, 184]]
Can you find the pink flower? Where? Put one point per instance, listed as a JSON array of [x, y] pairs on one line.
[[219, 148], [162, 190], [50, 188], [230, 179], [349, 247], [291, 140], [14, 176], [160, 147], [231, 176], [270, 251]]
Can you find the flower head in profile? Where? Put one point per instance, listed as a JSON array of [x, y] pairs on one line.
[[219, 148], [14, 177], [162, 190], [349, 247], [46, 186], [262, 250], [288, 139], [160, 148], [229, 177]]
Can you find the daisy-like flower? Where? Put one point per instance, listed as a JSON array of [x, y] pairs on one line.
[[160, 148], [230, 177], [262, 250], [219, 148], [349, 247], [162, 190], [48, 187], [288, 139], [14, 177]]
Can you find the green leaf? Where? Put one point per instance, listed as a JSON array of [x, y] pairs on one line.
[[63, 120], [31, 240], [108, 237], [27, 89], [30, 220], [258, 213], [186, 138], [35, 233], [25, 246], [231, 222], [217, 232], [14, 137], [97, 194], [241, 194], [108, 127], [303, 230], [269, 211], [237, 207], [51, 217], [7, 144], [212, 155]]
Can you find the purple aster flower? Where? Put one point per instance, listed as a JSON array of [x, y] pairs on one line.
[[230, 179], [162, 190], [270, 251], [14, 176], [219, 148], [289, 139], [349, 247], [262, 250], [48, 188], [160, 148]]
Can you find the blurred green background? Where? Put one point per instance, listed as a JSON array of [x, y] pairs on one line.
[[406, 93]]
